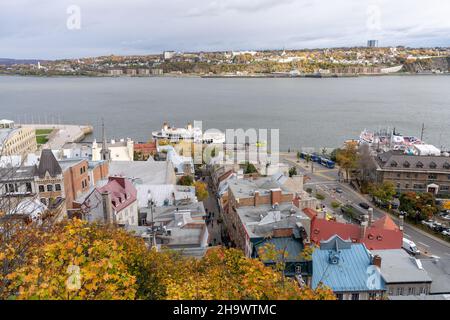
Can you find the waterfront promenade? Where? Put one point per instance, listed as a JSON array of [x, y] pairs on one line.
[[62, 134]]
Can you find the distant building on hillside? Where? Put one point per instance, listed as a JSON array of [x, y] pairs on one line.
[[372, 43]]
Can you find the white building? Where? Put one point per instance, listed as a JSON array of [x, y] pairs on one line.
[[119, 150]]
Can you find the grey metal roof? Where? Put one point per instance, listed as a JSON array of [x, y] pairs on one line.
[[48, 163], [397, 266], [17, 173], [144, 172], [289, 217], [412, 162], [293, 247], [439, 271]]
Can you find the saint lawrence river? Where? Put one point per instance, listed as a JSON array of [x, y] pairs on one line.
[[308, 112]]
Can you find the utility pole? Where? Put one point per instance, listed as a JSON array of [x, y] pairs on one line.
[[421, 133]]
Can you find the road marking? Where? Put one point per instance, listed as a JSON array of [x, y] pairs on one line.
[[406, 235], [423, 244]]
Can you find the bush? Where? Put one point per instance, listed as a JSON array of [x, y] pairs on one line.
[[320, 196], [335, 204]]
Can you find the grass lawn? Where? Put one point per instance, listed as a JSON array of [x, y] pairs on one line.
[[41, 139], [43, 131]]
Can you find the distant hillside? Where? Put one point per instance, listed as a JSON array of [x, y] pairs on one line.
[[426, 65], [9, 62]]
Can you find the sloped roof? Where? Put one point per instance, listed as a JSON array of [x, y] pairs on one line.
[[122, 192], [382, 234], [385, 223], [397, 266], [48, 163], [349, 274]]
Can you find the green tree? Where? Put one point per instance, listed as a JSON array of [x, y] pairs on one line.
[[249, 168], [385, 191], [186, 181], [292, 171]]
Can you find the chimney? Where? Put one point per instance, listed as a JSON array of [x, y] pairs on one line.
[[376, 261], [107, 208], [275, 196], [256, 198], [402, 221], [363, 227], [370, 214]]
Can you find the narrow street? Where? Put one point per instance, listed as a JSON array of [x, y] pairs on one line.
[[212, 208]]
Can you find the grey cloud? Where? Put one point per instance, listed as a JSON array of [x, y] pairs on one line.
[[37, 29]]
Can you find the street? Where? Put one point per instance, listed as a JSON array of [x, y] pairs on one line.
[[325, 181]]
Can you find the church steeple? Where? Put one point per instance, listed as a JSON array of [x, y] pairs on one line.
[[105, 153]]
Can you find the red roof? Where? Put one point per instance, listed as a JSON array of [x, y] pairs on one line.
[[122, 192], [382, 234]]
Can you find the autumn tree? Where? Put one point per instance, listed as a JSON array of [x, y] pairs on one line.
[[186, 180], [347, 157], [418, 206], [77, 260], [385, 191], [201, 190]]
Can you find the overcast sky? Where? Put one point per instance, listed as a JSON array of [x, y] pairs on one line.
[[39, 29]]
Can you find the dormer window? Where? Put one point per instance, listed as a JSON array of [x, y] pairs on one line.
[[406, 164], [446, 165], [419, 165], [113, 203], [393, 164], [433, 165]]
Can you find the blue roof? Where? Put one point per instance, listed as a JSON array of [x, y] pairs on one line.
[[293, 247], [352, 272]]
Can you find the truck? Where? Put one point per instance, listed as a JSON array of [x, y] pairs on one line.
[[410, 247]]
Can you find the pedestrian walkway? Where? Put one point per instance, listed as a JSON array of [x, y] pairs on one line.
[[214, 228]]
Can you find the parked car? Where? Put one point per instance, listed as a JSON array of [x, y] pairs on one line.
[[446, 217], [338, 190], [438, 227], [429, 223], [446, 232], [364, 205], [410, 247]]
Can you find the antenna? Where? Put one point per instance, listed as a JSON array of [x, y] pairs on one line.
[[422, 131]]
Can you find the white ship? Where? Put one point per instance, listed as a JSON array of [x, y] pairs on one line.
[[189, 133]]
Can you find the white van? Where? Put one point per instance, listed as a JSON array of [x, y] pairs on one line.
[[410, 247]]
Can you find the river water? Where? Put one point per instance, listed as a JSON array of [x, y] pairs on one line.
[[308, 112]]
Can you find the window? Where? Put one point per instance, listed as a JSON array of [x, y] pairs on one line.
[[49, 188], [57, 187], [355, 296], [407, 186], [446, 188], [411, 291], [28, 186], [419, 165], [433, 165], [446, 165], [81, 170], [400, 291], [339, 296], [399, 175], [44, 201], [432, 176], [393, 164], [372, 296], [41, 188], [406, 164]]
